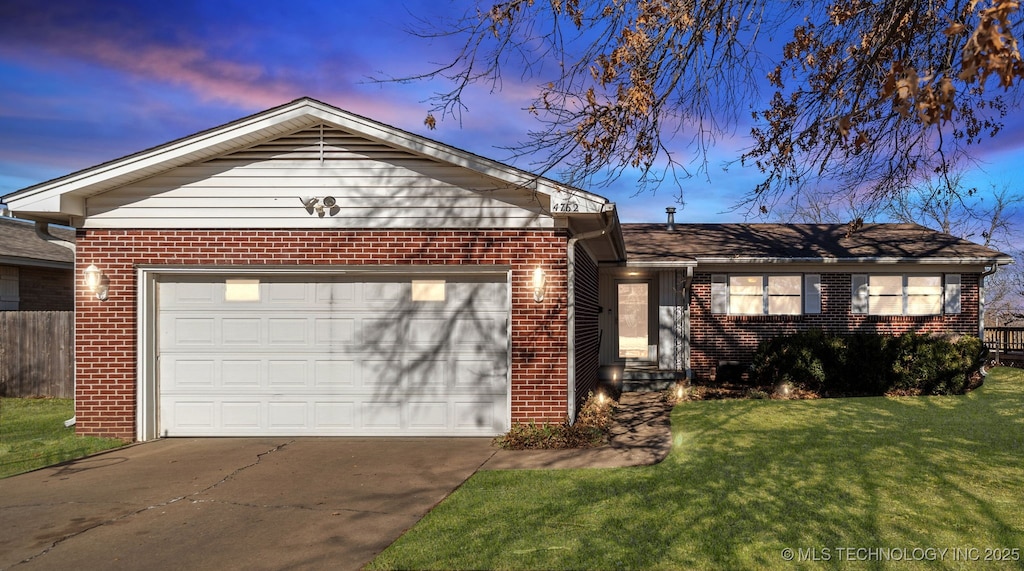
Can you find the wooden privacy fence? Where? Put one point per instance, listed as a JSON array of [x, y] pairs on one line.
[[37, 356]]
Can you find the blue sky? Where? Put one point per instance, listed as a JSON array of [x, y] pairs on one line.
[[86, 81]]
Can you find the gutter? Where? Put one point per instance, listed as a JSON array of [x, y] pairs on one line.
[[860, 260], [571, 304], [43, 231]]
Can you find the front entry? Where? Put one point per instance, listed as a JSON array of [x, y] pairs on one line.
[[634, 322]]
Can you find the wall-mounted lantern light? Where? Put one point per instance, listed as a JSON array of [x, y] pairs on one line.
[[539, 283], [96, 282]]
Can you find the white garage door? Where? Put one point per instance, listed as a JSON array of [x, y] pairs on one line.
[[391, 355]]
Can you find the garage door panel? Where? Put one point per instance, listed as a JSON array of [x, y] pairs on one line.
[[299, 294], [189, 373], [241, 331], [285, 331], [241, 373], [426, 415], [286, 374], [193, 331], [377, 416], [476, 415], [328, 294], [335, 331], [189, 293], [384, 295], [333, 356], [479, 375], [335, 374], [482, 333], [287, 415], [241, 415], [473, 374], [310, 416]]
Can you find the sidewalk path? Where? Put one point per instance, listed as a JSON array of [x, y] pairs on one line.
[[640, 435]]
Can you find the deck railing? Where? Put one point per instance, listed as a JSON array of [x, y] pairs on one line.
[[1004, 339]]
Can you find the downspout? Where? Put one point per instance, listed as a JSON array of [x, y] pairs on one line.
[[43, 231], [981, 300], [687, 286], [571, 306]]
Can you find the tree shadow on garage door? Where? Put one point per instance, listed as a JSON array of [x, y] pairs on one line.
[[436, 360]]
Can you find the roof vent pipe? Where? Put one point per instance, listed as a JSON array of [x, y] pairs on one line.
[[671, 211]]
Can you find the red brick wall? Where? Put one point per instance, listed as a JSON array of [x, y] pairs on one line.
[[106, 331], [45, 289], [716, 338]]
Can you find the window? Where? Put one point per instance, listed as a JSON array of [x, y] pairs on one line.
[[784, 295], [757, 294], [885, 295], [428, 290], [9, 296], [906, 294], [746, 295], [924, 295], [241, 290]]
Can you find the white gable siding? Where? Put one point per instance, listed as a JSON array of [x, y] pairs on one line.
[[375, 186]]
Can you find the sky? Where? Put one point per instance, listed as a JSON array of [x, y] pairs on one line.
[[86, 81]]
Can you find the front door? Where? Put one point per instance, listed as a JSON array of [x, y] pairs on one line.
[[634, 322]]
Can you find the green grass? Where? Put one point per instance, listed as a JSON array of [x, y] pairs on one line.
[[749, 478], [32, 435]]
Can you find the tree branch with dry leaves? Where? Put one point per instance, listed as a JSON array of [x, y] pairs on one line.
[[865, 96]]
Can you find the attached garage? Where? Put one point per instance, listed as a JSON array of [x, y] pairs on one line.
[[358, 353], [308, 271]]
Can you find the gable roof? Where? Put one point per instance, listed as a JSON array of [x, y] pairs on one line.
[[22, 247], [63, 198], [689, 244]]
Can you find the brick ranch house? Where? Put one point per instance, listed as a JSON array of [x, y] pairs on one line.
[[307, 271]]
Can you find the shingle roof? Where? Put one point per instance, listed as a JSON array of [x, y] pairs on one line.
[[20, 244], [723, 242]]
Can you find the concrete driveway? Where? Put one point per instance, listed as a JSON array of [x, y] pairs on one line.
[[253, 503]]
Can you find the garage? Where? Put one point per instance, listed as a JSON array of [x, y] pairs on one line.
[[355, 353]]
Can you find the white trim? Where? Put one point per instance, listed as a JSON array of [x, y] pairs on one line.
[[145, 384], [65, 195], [508, 364]]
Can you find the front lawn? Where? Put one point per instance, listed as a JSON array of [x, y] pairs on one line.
[[906, 482], [32, 435]]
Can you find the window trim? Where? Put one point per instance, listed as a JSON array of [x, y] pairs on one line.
[[722, 296], [950, 288]]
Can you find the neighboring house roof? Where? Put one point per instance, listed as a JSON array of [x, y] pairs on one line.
[[21, 246], [690, 244]]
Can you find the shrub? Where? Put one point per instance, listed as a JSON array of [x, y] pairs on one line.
[[590, 429], [801, 360], [869, 364]]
